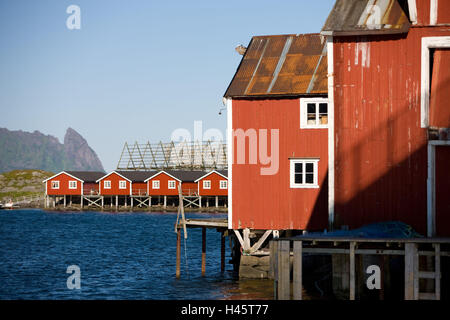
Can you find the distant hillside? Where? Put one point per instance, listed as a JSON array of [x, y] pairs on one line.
[[24, 150], [19, 183]]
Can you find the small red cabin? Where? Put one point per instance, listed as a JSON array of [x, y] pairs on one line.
[[74, 183], [278, 111], [162, 184], [114, 183], [214, 183]]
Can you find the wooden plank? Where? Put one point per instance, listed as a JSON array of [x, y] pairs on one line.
[[261, 240], [297, 266], [352, 270], [284, 281], [411, 272]]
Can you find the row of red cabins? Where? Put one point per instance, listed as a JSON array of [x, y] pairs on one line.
[[164, 183]]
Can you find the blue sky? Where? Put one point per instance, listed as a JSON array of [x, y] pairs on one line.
[[136, 70]]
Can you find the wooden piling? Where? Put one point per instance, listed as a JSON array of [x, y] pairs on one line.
[[297, 266], [222, 251], [284, 281], [352, 270], [411, 270], [178, 252], [203, 251]]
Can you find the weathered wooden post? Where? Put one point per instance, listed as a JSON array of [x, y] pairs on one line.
[[178, 252], [352, 270], [284, 281], [297, 266], [411, 272], [222, 251], [203, 251]]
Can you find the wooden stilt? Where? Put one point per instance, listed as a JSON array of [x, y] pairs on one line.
[[199, 201], [149, 202], [117, 203], [217, 201], [298, 286], [352, 270], [165, 202], [178, 252], [103, 202], [284, 280], [411, 272], [203, 251], [82, 199], [222, 251]]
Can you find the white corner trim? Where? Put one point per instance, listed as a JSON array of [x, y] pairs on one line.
[[433, 12], [412, 11], [331, 170], [230, 160], [427, 44]]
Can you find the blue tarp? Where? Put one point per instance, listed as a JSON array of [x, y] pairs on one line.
[[392, 229]]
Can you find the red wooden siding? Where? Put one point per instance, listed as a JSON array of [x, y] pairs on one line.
[[380, 149], [268, 202], [163, 186], [63, 179], [139, 188], [440, 90], [215, 186], [114, 178], [423, 12], [443, 12], [190, 188], [90, 188], [442, 189]]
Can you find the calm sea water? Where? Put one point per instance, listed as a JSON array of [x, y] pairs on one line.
[[120, 255]]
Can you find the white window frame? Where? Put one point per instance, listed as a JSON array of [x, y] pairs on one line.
[[174, 186], [55, 184], [156, 184], [304, 113], [304, 185], [122, 184], [107, 184], [223, 184], [72, 184], [207, 184], [427, 44]]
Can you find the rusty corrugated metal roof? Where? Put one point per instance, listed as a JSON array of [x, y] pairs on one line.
[[351, 17], [281, 65]]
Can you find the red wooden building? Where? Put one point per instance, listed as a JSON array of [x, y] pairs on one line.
[[125, 183], [75, 183], [278, 112], [389, 67], [166, 182], [213, 183]]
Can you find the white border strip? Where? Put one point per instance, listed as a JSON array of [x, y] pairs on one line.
[[433, 12], [427, 44], [412, 11], [230, 161], [330, 132]]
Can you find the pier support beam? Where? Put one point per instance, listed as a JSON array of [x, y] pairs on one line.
[[217, 201], [165, 202], [117, 203], [178, 252], [222, 251], [203, 251]]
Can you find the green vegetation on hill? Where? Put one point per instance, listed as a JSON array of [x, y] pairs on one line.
[[19, 183]]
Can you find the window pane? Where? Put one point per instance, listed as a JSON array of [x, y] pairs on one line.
[[309, 177], [310, 167], [312, 108], [298, 178], [323, 113], [298, 167]]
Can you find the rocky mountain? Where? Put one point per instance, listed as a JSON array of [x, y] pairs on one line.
[[25, 150]]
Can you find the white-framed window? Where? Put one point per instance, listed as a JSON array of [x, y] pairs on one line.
[[223, 184], [155, 184], [55, 184], [107, 184], [304, 173], [206, 184], [313, 113], [171, 184], [122, 184], [72, 184]]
